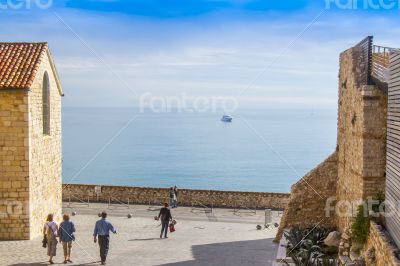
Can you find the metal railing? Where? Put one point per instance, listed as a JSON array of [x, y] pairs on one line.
[[156, 203], [72, 199], [377, 62], [241, 208], [116, 203], [366, 46], [382, 50], [380, 63], [197, 205]]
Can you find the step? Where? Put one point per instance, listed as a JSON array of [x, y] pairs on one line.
[[281, 254]]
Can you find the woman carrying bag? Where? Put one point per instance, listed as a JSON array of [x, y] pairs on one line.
[[50, 232]]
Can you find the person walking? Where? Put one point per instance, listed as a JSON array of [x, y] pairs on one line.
[[102, 230], [66, 234], [50, 231], [171, 196], [165, 215], [176, 197]]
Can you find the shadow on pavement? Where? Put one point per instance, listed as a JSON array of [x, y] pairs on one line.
[[239, 253], [144, 239], [55, 263], [31, 264]]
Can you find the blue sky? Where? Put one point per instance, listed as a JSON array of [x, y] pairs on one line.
[[111, 52], [186, 8]]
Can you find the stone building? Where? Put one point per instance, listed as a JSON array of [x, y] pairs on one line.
[[330, 194], [30, 139], [365, 163]]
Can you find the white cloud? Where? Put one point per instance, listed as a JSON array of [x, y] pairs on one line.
[[209, 55]]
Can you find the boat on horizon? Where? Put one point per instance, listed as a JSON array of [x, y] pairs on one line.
[[226, 118]]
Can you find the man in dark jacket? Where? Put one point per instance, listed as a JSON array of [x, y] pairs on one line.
[[165, 215]]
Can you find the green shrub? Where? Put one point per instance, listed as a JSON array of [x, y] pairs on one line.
[[315, 234], [294, 237], [306, 247], [360, 226], [380, 198]]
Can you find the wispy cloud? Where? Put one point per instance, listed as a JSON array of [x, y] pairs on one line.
[[213, 54]]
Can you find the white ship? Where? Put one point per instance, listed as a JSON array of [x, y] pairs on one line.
[[226, 118]]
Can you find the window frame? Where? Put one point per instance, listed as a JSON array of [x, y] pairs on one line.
[[46, 104]]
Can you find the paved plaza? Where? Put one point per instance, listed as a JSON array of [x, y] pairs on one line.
[[220, 237]]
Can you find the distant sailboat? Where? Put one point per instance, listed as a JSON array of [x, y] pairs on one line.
[[226, 118]]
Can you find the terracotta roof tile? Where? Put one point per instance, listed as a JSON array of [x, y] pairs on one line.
[[19, 63]]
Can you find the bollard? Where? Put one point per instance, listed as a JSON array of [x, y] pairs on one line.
[[268, 217]]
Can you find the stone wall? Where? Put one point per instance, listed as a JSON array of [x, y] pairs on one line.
[[30, 162], [309, 196], [44, 153], [380, 250], [14, 167], [187, 197], [357, 170], [349, 136], [361, 137]]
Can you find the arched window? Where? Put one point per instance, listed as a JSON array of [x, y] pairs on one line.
[[46, 104]]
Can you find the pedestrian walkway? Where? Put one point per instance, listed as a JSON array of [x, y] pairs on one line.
[[218, 238]]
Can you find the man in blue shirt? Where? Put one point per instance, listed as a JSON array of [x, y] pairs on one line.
[[102, 230]]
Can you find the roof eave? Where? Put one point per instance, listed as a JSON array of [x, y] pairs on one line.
[[12, 89], [53, 68]]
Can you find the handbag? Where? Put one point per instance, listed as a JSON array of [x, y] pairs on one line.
[[171, 228], [44, 242]]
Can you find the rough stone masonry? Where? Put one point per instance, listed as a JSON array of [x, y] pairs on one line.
[[30, 160], [356, 170]]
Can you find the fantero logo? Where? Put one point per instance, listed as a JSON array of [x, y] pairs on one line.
[[186, 103], [25, 4], [363, 4], [11, 208]]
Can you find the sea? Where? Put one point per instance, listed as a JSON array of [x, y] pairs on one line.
[[262, 150]]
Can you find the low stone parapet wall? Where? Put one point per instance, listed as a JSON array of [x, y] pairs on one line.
[[380, 249], [186, 197]]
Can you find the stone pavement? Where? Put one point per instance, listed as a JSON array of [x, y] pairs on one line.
[[218, 238]]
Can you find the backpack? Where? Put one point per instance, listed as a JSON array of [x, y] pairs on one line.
[[49, 232]]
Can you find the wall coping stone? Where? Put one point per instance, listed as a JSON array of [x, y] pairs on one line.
[[186, 197], [65, 186]]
